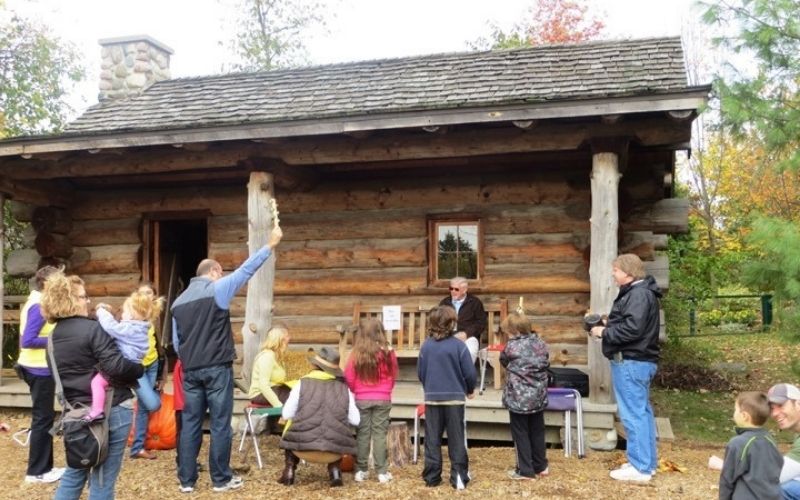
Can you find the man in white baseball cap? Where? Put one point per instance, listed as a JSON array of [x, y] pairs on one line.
[[784, 403]]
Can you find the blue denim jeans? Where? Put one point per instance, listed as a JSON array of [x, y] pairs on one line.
[[790, 490], [102, 480], [631, 381], [209, 388], [148, 401]]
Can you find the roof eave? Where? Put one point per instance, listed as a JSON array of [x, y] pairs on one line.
[[692, 98]]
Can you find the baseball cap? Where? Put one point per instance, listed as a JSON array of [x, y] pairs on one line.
[[780, 393]]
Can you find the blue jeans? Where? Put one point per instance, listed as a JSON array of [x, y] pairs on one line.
[[790, 490], [631, 381], [208, 388], [149, 401], [101, 479]]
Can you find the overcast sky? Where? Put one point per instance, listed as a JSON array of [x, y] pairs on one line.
[[360, 29]]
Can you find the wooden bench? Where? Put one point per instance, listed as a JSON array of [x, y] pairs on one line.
[[414, 329]]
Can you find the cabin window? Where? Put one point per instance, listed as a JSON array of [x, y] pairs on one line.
[[455, 250]]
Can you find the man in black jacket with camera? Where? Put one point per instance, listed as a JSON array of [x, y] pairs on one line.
[[630, 341]]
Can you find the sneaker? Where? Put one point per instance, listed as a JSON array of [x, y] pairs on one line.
[[459, 483], [187, 489], [544, 473], [51, 476], [234, 484], [385, 478], [627, 465], [515, 475], [630, 474], [361, 476]]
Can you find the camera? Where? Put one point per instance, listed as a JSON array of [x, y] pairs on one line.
[[591, 320]]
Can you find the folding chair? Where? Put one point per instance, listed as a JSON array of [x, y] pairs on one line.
[[568, 400], [490, 355], [419, 413], [260, 412]]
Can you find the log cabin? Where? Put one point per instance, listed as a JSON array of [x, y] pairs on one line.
[[524, 170]]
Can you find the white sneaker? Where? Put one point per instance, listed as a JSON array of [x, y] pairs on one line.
[[630, 474], [51, 476], [187, 489], [234, 484], [360, 476], [385, 478], [459, 483], [627, 465]]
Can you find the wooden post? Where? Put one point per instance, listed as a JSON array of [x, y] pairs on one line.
[[258, 312], [604, 224], [398, 445], [2, 278]]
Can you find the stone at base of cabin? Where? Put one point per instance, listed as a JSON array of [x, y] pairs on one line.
[[601, 439]]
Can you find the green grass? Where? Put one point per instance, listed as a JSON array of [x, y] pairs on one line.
[[704, 416]]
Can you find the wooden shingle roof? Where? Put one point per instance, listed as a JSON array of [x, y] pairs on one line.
[[470, 80]]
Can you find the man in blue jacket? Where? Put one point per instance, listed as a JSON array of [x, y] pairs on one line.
[[203, 339]]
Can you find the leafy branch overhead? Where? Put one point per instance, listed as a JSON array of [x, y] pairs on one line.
[[547, 21], [36, 72], [271, 34], [761, 98]]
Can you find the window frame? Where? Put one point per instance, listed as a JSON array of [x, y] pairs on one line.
[[434, 221]]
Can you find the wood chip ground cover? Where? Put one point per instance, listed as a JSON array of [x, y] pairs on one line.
[[570, 477]]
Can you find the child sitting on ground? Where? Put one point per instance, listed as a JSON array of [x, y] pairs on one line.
[[131, 335], [752, 464]]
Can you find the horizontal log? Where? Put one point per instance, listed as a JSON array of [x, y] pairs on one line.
[[119, 204], [526, 249], [303, 329], [518, 188], [111, 284], [641, 243], [53, 245], [23, 262], [567, 354], [546, 218], [669, 216], [231, 228], [659, 269], [391, 281], [388, 146], [338, 305], [51, 220], [86, 233], [106, 259], [395, 252], [22, 212]]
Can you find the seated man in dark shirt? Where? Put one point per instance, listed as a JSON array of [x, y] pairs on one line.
[[471, 321]]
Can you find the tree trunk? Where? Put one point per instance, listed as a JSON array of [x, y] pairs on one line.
[[604, 224], [398, 444], [258, 312]]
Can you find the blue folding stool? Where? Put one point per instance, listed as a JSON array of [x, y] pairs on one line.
[[568, 400]]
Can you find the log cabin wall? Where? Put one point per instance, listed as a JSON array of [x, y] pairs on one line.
[[362, 236]]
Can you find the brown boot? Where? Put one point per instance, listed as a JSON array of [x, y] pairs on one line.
[[290, 466], [335, 473]]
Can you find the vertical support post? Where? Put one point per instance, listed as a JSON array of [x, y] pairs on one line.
[[258, 312], [2, 279], [604, 225], [692, 316], [766, 311]]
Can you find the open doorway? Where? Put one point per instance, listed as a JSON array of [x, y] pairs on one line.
[[173, 247]]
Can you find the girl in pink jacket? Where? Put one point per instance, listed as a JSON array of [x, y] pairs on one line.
[[370, 373]]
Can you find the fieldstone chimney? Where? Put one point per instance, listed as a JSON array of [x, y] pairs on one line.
[[130, 64]]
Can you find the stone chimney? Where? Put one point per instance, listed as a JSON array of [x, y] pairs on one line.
[[130, 64]]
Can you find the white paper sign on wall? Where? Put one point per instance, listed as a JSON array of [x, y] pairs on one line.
[[392, 317]]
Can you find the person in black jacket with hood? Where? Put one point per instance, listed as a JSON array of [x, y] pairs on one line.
[[630, 341]]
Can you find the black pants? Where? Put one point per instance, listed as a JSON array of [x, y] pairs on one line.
[[40, 446], [437, 419], [527, 431]]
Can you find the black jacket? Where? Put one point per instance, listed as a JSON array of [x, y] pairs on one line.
[[471, 316], [633, 323], [81, 348]]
